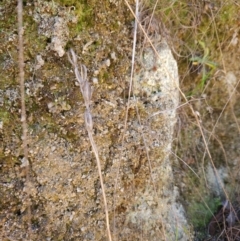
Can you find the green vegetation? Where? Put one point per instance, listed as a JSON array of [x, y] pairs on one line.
[[207, 67], [82, 11], [200, 213], [4, 116]]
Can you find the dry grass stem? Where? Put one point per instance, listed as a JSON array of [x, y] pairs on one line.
[[23, 111], [87, 94]]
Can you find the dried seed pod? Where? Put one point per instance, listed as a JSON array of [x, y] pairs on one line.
[[88, 120], [72, 60], [79, 77], [84, 72], [87, 93]]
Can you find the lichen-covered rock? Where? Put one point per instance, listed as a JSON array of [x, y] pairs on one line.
[[155, 208], [53, 27], [65, 195]]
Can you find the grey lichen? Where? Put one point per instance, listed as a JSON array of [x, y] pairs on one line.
[[53, 27], [157, 84]]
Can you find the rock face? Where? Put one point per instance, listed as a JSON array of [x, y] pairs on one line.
[[52, 23], [156, 89], [137, 171], [66, 198]]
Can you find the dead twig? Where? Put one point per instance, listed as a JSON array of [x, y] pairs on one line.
[[25, 161]]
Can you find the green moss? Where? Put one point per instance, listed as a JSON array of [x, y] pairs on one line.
[[200, 213], [36, 43], [228, 14], [4, 116], [82, 11]]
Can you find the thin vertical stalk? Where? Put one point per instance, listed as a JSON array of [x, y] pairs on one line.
[[23, 108], [86, 90]]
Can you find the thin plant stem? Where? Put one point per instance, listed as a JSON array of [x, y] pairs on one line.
[[23, 109], [95, 150], [133, 61], [87, 94]]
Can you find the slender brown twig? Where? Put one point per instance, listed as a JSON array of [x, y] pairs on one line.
[[25, 162]]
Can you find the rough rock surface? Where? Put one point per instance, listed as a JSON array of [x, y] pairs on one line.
[[140, 190], [66, 199], [156, 90]]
